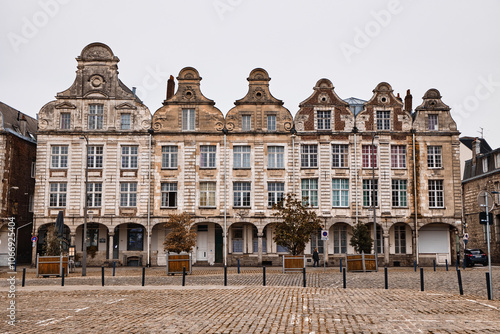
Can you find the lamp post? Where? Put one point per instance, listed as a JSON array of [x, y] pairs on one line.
[[85, 206], [374, 157], [488, 237]]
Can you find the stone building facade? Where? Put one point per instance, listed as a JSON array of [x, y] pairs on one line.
[[482, 172], [17, 168], [228, 171]]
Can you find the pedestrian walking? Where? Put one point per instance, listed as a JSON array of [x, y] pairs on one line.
[[315, 257]]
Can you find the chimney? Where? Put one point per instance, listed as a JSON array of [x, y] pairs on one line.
[[476, 149], [23, 125], [408, 101], [170, 87]]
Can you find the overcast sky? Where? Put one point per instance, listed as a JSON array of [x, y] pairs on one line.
[[449, 45]]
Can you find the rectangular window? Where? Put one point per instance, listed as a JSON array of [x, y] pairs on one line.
[[497, 160], [59, 157], [169, 156], [96, 114], [309, 156], [57, 196], [135, 237], [65, 120], [339, 239], [316, 242], [169, 195], [207, 194], [241, 194], [434, 157], [31, 203], [129, 157], [340, 154], [246, 123], [433, 122], [436, 194], [271, 123], [383, 120], [398, 156], [370, 189], [380, 240], [400, 239], [399, 193], [310, 192], [95, 156], [94, 194], [92, 235], [128, 194], [207, 156], [369, 156], [33, 169], [188, 119], [484, 161], [275, 157], [241, 156], [275, 193], [324, 120], [340, 192], [125, 123]]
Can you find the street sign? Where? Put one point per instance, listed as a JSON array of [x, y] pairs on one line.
[[482, 218], [34, 238], [466, 236], [324, 234], [481, 200]]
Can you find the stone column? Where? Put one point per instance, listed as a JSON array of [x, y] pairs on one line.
[[386, 248], [111, 243], [259, 247], [35, 249]]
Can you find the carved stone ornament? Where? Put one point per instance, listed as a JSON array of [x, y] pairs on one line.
[[96, 81], [157, 126], [42, 124], [259, 94], [323, 98]]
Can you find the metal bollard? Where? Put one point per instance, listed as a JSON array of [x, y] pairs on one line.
[[62, 279], [102, 275], [421, 279], [340, 265], [304, 276], [225, 275], [488, 285], [434, 264], [344, 278], [264, 276], [238, 266], [24, 276], [183, 276], [415, 265], [446, 261], [143, 275], [456, 265], [386, 278], [114, 266], [464, 262], [460, 287]]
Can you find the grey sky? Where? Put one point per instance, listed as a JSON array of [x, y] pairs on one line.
[[448, 45]]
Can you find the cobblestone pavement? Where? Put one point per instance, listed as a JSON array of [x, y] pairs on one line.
[[204, 305]]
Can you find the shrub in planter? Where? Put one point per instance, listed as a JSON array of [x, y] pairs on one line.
[[180, 239]]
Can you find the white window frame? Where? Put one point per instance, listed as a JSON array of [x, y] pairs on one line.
[[128, 194], [309, 190], [271, 122], [188, 119], [242, 192], [340, 156], [241, 156], [275, 157], [208, 192], [436, 194], [59, 156], [57, 194], [275, 193], [434, 157], [125, 121], [433, 122], [129, 157], [168, 189], [169, 156], [96, 116], [398, 156], [246, 122], [94, 192], [368, 188], [340, 193], [369, 156], [309, 156], [208, 156], [324, 119], [65, 123], [400, 239], [95, 156], [339, 239], [399, 193], [383, 120]]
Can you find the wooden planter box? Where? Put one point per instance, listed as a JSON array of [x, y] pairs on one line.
[[176, 262], [293, 263], [51, 265], [360, 262]]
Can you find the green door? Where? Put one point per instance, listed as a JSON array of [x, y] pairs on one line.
[[218, 244]]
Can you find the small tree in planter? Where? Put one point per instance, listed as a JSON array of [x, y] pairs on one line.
[[180, 239], [361, 239], [297, 223], [52, 244], [52, 263]]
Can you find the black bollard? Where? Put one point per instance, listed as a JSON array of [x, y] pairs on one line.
[[464, 262], [460, 287], [340, 265], [24, 276], [446, 261], [456, 265], [421, 279], [238, 266], [415, 265], [183, 276], [62, 279], [225, 275], [386, 278], [143, 275], [434, 264], [264, 276], [488, 285], [114, 266], [304, 276], [102, 275], [343, 277]]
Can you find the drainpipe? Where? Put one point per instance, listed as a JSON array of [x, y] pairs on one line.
[[355, 130], [225, 199], [415, 200], [150, 131], [293, 132]]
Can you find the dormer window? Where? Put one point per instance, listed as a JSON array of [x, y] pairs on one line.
[[246, 123], [188, 119], [125, 122], [433, 122], [65, 120], [324, 120], [485, 165], [271, 123], [383, 120], [96, 114]]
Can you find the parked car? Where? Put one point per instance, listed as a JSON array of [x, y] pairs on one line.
[[473, 256]]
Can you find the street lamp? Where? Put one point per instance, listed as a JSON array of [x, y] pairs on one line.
[[374, 157], [85, 206]]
